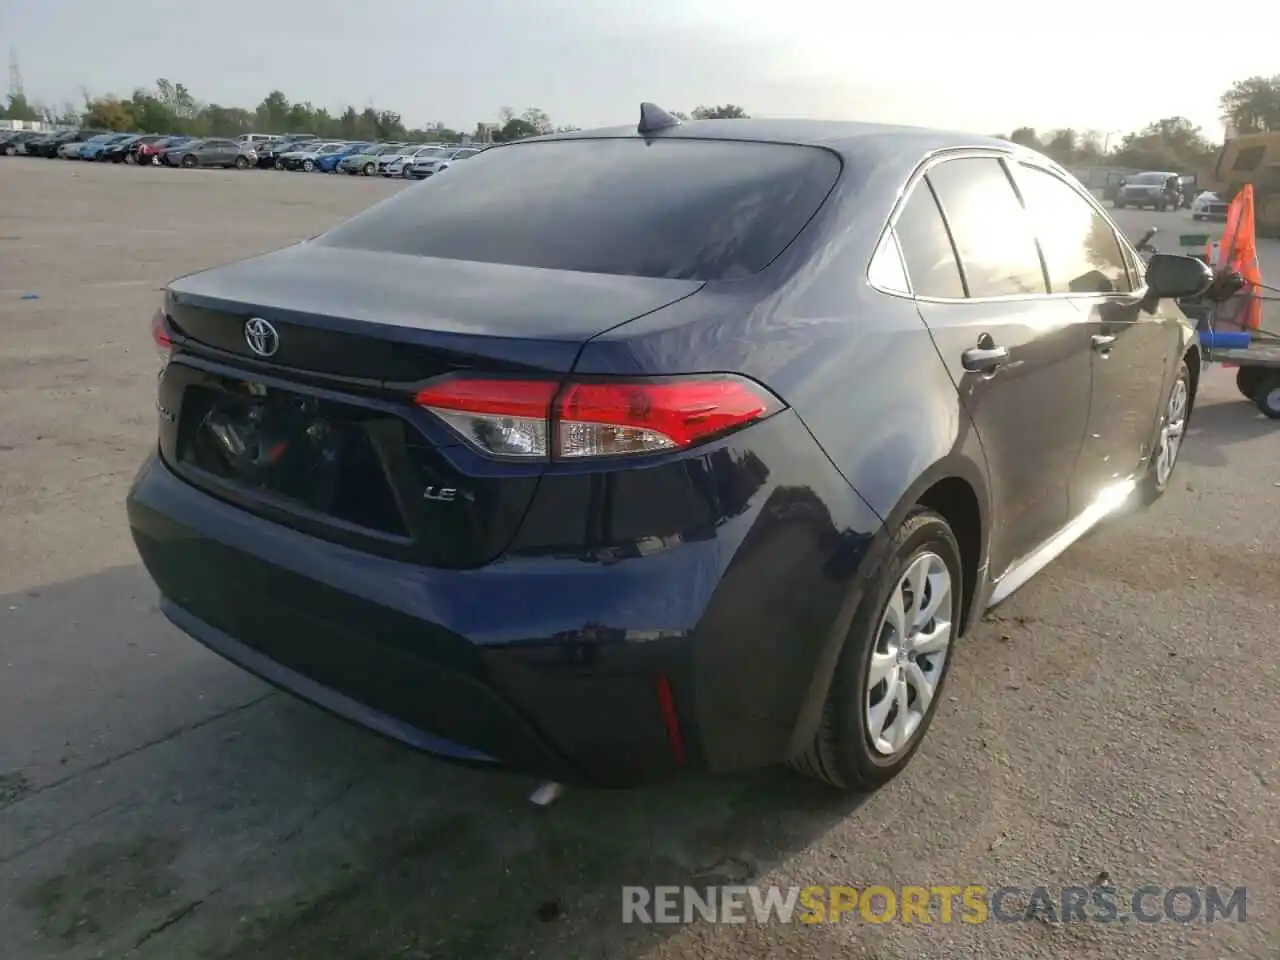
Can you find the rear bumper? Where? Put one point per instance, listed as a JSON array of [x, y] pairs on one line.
[[609, 672]]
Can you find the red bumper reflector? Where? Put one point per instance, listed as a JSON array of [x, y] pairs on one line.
[[667, 704]]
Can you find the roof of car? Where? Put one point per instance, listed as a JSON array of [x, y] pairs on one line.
[[840, 135]]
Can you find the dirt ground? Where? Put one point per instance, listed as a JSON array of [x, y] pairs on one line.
[[1119, 715]]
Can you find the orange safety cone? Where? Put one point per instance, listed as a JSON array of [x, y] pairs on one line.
[[1238, 251]]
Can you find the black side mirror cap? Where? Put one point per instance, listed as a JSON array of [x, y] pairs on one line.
[[1173, 277]]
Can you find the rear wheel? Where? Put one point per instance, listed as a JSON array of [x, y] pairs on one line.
[[189, 161], [10, 150], [308, 165], [891, 672], [1173, 429], [242, 163], [1267, 396], [368, 169]]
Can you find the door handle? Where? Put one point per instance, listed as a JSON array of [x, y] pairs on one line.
[[984, 359], [1103, 340]]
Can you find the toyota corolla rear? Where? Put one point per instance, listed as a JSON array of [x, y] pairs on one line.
[[384, 482]]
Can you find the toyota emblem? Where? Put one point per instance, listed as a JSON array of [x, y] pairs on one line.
[[261, 337]]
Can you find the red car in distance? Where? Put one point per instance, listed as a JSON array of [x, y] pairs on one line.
[[147, 153]]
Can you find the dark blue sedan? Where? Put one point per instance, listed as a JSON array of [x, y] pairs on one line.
[[619, 453]]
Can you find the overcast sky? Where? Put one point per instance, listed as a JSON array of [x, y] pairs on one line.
[[982, 65]]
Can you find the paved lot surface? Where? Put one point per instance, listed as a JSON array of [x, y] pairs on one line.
[[1119, 715]]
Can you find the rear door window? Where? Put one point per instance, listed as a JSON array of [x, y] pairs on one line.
[[1080, 248], [926, 247], [674, 208], [990, 227]]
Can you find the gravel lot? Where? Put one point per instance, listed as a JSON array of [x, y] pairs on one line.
[[1120, 714]]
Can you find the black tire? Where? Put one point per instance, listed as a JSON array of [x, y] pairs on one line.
[[10, 150], [190, 161], [1266, 396], [308, 165], [841, 754], [1153, 488], [1247, 380], [242, 163], [369, 169]]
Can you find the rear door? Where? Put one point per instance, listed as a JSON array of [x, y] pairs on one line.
[[1131, 349], [1019, 358], [224, 151]]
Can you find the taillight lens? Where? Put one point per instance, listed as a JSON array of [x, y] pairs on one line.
[[160, 336], [542, 419]]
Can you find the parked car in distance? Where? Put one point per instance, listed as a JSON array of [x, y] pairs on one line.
[[394, 164], [274, 150], [48, 147], [122, 150], [91, 150], [150, 153], [70, 149], [11, 141], [211, 152], [1209, 206], [1144, 190], [752, 421], [365, 162], [328, 163], [257, 140], [305, 157], [422, 167]]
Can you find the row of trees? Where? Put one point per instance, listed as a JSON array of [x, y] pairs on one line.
[[1249, 105], [171, 108], [1174, 143]]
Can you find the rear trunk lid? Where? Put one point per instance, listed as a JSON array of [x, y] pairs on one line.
[[321, 433], [399, 318]]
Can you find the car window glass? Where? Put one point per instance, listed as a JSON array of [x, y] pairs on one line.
[[1080, 247], [1137, 268], [665, 208], [926, 249], [887, 272], [991, 230]]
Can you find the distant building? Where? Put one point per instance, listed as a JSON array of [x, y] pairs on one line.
[[485, 131]]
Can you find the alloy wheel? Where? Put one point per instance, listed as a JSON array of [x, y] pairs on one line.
[[911, 649], [1171, 432]]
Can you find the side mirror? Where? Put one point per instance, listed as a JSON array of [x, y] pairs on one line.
[[1174, 277]]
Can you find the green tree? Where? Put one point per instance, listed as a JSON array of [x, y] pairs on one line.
[[19, 108], [1062, 146], [1026, 137], [1252, 105], [728, 111], [1174, 143], [109, 113]]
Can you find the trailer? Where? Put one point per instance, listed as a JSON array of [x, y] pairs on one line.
[[1225, 339]]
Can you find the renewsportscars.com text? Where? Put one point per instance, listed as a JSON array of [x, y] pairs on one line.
[[942, 904]]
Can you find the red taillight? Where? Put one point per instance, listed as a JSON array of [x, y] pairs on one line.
[[160, 336], [538, 419]]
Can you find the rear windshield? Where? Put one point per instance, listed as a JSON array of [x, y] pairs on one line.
[[683, 209]]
